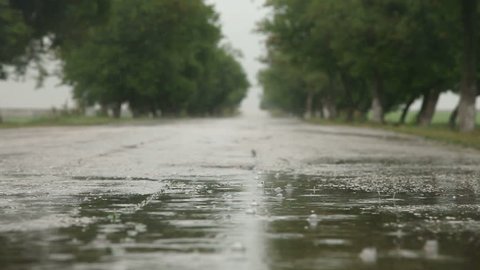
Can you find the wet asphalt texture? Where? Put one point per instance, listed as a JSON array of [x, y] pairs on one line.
[[241, 193]]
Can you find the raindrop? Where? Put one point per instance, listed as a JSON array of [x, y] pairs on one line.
[[313, 219], [238, 247], [132, 233], [431, 249], [289, 189], [251, 211], [129, 240], [254, 203], [399, 234], [368, 255], [277, 175], [278, 190]]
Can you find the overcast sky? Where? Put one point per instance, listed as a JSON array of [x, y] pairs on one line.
[[238, 18]]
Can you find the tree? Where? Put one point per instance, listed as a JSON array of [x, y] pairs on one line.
[[468, 86], [159, 57], [30, 28], [283, 86], [14, 37], [389, 52]]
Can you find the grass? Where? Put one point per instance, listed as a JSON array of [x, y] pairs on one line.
[[442, 133], [59, 121], [438, 131], [439, 118], [78, 120]]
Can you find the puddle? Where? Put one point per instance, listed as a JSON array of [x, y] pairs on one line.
[[255, 221]]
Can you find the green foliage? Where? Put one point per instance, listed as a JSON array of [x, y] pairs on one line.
[[159, 56], [14, 37], [391, 51], [283, 87], [61, 20], [30, 28]]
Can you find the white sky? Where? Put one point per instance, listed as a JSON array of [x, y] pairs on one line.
[[238, 19]]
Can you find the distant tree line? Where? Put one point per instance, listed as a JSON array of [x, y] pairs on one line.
[[160, 57], [352, 57]]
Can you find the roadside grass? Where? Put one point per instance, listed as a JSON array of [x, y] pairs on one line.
[[44, 121], [438, 131], [440, 117], [79, 120], [442, 133]]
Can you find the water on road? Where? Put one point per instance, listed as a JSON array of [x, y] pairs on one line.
[[235, 194]]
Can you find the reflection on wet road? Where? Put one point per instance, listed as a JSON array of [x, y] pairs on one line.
[[271, 221], [336, 213]]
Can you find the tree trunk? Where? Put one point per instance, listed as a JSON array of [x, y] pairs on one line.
[[468, 86], [329, 106], [423, 107], [405, 110], [363, 116], [154, 113], [332, 109], [377, 100], [117, 110], [348, 95], [135, 113], [429, 104], [350, 114], [309, 106], [320, 108], [452, 121], [329, 109], [103, 110]]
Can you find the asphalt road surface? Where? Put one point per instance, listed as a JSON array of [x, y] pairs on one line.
[[241, 193]]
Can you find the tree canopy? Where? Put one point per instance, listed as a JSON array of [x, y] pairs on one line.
[[29, 28], [346, 58], [159, 57]]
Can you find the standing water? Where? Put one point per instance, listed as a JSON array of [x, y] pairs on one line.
[[276, 220]]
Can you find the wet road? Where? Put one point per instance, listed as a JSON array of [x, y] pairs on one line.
[[243, 193]]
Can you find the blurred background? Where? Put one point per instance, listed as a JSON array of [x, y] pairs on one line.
[[396, 62]]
